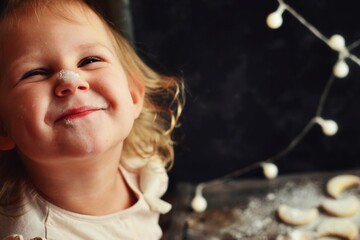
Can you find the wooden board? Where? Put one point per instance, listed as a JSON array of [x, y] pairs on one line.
[[246, 209]]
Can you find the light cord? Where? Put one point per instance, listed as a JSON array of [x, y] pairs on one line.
[[329, 127]]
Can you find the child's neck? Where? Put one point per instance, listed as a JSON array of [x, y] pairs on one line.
[[94, 187]]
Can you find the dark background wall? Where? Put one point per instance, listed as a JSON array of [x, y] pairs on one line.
[[251, 89]]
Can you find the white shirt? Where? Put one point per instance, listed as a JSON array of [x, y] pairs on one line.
[[45, 220]]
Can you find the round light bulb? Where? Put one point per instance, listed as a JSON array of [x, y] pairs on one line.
[[329, 127], [274, 20], [341, 69], [270, 170], [199, 203], [337, 42]]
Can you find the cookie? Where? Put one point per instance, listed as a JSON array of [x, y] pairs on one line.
[[336, 185], [295, 216], [338, 228], [345, 207]]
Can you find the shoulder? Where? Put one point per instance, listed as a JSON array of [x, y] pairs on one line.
[[27, 220]]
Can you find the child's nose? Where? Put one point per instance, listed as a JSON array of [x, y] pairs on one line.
[[69, 82]]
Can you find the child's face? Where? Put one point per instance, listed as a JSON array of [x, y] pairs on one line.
[[45, 118]]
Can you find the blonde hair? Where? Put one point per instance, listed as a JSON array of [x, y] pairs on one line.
[[152, 131]]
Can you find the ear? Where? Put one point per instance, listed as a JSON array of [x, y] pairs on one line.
[[137, 91], [6, 143]]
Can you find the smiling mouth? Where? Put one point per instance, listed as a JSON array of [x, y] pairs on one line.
[[76, 113]]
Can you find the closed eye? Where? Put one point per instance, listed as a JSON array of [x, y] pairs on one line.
[[35, 72], [89, 60]]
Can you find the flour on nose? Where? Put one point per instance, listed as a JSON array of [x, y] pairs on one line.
[[68, 76]]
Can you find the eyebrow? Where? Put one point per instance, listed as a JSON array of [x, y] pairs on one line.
[[84, 46], [21, 60], [95, 45]]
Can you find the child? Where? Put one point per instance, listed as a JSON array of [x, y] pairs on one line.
[[85, 127]]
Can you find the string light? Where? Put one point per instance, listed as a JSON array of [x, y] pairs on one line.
[[341, 69], [270, 170], [329, 127], [199, 203], [337, 42], [275, 20]]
